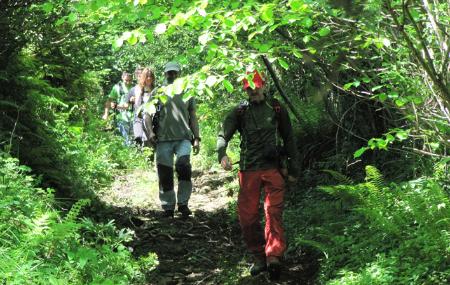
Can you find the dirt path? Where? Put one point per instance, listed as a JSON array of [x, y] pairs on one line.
[[204, 249]]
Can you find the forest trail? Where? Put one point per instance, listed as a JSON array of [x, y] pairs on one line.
[[204, 249]]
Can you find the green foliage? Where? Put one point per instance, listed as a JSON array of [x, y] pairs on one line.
[[38, 246], [388, 233]]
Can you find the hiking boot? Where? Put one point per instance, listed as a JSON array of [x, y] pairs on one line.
[[184, 210], [258, 266], [274, 267], [167, 214]]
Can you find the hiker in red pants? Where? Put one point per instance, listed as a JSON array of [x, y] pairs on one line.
[[262, 123]]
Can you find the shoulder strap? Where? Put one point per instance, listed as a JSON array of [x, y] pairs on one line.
[[243, 106], [276, 105]]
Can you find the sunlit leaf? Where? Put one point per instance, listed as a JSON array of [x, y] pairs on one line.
[[266, 13], [359, 152], [324, 31], [160, 29], [211, 80], [283, 63], [227, 84]]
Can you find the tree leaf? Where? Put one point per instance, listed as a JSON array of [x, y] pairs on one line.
[[227, 84], [211, 80], [359, 152], [283, 63], [295, 5], [324, 31], [266, 13], [47, 7], [160, 29]]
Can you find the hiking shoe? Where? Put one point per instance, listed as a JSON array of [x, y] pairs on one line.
[[167, 214], [258, 266], [184, 210], [274, 267]]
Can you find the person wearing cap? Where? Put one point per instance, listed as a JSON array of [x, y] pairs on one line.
[[117, 102], [262, 124], [177, 134]]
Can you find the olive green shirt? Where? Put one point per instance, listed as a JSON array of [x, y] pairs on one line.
[[261, 135], [178, 119]]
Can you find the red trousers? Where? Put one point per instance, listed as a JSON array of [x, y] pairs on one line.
[[273, 242]]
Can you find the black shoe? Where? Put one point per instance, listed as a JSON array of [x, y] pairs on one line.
[[167, 214], [184, 210], [274, 268], [258, 267]]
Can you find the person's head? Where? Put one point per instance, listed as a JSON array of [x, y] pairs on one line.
[[137, 72], [147, 78], [127, 78], [255, 94], [171, 71]]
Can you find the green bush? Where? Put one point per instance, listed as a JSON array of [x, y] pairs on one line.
[[39, 246], [377, 232]]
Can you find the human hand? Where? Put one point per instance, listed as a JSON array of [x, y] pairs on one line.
[[196, 146], [132, 99], [226, 163], [105, 117]]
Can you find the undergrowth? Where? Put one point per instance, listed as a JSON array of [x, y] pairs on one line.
[[40, 245], [376, 232]]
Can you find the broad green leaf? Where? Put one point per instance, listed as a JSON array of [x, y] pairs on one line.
[[359, 152], [60, 22], [390, 138], [377, 87], [393, 95], [160, 29], [307, 22], [211, 80], [179, 85], [283, 63], [72, 18], [47, 7], [210, 93], [178, 20], [324, 31], [382, 97], [156, 13], [264, 47], [227, 84], [347, 86], [266, 12], [132, 40], [356, 83], [401, 102], [297, 54], [401, 135], [118, 43], [295, 4], [163, 99], [203, 39]]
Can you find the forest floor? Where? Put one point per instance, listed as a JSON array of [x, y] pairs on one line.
[[204, 249]]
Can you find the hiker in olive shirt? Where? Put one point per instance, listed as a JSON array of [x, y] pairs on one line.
[[176, 133], [117, 100], [262, 124]]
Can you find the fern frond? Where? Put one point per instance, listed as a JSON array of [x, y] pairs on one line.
[[340, 178], [76, 209], [374, 176]]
